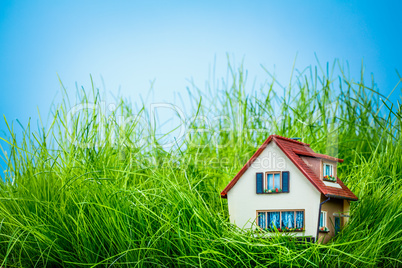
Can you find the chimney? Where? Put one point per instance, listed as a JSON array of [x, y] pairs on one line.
[[296, 139]]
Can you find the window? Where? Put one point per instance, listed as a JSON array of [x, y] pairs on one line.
[[323, 222], [328, 170], [323, 219], [288, 220], [272, 182]]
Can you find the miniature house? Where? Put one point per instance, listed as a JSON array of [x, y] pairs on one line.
[[287, 187]]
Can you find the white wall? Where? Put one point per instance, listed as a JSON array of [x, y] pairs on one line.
[[244, 202]]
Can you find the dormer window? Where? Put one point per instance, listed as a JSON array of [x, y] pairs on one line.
[[328, 170]]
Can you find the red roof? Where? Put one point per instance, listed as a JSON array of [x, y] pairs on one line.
[[323, 156], [293, 149]]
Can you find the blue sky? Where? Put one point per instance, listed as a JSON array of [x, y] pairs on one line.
[[130, 43]]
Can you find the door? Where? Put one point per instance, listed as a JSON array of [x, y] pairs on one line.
[[337, 225]]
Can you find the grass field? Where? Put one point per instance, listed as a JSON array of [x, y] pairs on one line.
[[92, 192]]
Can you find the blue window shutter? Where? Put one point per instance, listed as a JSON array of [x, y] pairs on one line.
[[259, 177], [285, 181]]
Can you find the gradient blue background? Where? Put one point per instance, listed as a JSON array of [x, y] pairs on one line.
[[130, 43]]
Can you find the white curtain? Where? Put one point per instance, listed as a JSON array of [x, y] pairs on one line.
[[261, 219], [300, 219], [288, 219], [273, 220], [277, 181]]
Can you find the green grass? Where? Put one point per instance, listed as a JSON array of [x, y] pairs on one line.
[[118, 202]]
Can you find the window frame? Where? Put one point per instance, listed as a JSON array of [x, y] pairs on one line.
[[324, 218], [325, 222], [280, 219], [331, 168], [265, 182]]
